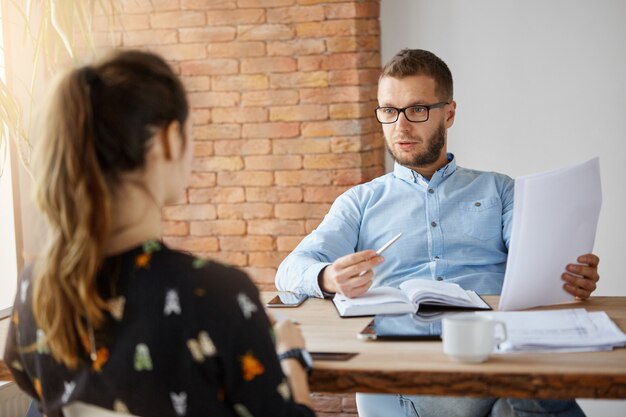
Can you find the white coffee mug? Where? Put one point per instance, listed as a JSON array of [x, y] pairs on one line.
[[471, 337]]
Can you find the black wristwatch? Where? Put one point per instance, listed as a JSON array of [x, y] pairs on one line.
[[301, 356]]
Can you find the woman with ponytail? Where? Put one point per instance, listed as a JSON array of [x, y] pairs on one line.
[[108, 317]]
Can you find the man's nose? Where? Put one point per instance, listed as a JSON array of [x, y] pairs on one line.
[[402, 122]]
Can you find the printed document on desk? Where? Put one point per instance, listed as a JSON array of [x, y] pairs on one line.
[[555, 216]]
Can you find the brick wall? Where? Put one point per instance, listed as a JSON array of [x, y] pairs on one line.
[[282, 95]]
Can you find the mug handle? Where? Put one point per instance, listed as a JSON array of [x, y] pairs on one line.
[[504, 335]]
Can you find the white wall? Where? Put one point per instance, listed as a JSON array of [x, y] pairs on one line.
[[539, 85]]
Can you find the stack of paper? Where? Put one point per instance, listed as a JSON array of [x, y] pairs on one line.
[[569, 330]]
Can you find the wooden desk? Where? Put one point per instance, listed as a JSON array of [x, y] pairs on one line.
[[422, 368]]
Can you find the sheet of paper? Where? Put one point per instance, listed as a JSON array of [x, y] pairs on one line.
[[555, 215]]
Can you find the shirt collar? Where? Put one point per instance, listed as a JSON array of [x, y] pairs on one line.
[[409, 175]]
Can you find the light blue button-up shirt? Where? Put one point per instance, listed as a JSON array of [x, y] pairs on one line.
[[455, 227]]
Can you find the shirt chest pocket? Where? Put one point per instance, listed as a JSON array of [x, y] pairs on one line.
[[482, 218]]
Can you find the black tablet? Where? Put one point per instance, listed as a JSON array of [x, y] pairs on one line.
[[404, 327]]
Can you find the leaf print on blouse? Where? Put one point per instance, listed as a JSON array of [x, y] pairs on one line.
[[68, 389], [143, 361], [242, 410], [102, 357], [37, 386], [143, 259], [198, 263], [172, 303], [17, 366], [179, 402], [42, 346], [283, 390], [251, 367], [116, 307], [246, 305], [202, 347], [15, 318], [120, 407]]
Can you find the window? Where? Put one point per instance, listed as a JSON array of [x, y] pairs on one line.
[[8, 243]]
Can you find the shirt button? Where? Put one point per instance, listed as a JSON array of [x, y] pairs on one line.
[[439, 278], [430, 190], [477, 204], [436, 257], [433, 224]]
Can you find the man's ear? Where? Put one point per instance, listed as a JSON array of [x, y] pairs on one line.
[[450, 114], [172, 141]]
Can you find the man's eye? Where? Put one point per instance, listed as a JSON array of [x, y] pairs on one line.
[[388, 110], [417, 109]]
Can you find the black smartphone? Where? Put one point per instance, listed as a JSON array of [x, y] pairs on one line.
[[287, 299]]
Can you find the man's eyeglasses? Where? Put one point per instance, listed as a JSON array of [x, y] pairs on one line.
[[416, 113]]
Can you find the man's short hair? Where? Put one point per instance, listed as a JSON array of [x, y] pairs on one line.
[[410, 62]]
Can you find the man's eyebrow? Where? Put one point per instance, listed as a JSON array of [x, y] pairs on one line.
[[415, 103]]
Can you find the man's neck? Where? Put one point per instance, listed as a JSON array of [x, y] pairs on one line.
[[427, 171]]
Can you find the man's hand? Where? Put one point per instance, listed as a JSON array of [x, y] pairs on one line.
[[581, 278], [344, 275]]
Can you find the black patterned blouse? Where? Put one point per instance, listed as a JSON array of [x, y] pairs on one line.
[[184, 337]]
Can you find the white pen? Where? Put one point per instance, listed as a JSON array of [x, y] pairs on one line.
[[384, 248]]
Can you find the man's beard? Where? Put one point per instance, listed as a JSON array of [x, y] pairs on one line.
[[434, 146]]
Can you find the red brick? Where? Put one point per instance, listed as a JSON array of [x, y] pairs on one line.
[[266, 259], [217, 131], [245, 211], [203, 149], [300, 112], [264, 65], [299, 79], [332, 161], [239, 115], [247, 243], [297, 47], [288, 243], [291, 15], [335, 128], [247, 178], [301, 210], [216, 195], [311, 225], [309, 177], [271, 130], [208, 34], [327, 28], [352, 10], [319, 1], [190, 212], [149, 37], [264, 32], [262, 277], [208, 4], [353, 77], [218, 163], [181, 52], [323, 194], [275, 227], [301, 146], [350, 60], [240, 82], [175, 228], [350, 110], [243, 147], [264, 3], [372, 158], [213, 99], [200, 116], [143, 6], [238, 259], [202, 179], [193, 84], [269, 97], [348, 177], [235, 17], [310, 62], [274, 194], [273, 162], [334, 95], [236, 49], [210, 66], [353, 43], [176, 20], [121, 22], [219, 228], [192, 244]]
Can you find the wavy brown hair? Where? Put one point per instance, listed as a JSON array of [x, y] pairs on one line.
[[98, 123]]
